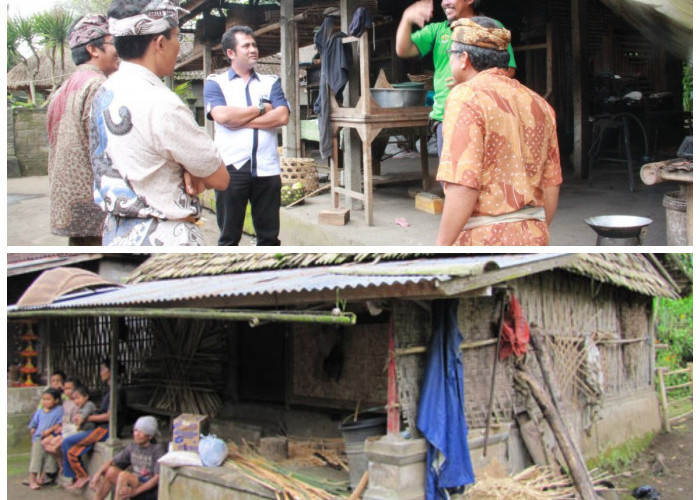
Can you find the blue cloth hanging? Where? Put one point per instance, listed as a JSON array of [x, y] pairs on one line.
[[441, 407]]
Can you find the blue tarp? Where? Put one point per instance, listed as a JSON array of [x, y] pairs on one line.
[[441, 408]]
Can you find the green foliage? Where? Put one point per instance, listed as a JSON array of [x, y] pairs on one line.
[[675, 328], [184, 91], [688, 87], [53, 28], [619, 458]]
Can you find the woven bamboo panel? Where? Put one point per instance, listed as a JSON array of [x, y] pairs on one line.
[[478, 320], [78, 345], [302, 170], [412, 329], [357, 375]]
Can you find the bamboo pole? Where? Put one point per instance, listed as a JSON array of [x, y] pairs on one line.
[[664, 402], [463, 347], [579, 473], [342, 318], [499, 335]]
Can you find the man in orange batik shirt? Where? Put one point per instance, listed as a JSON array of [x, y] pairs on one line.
[[500, 163]]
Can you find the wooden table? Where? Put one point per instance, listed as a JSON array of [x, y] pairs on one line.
[[369, 119]]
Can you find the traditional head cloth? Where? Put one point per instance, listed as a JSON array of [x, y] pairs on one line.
[[147, 425], [468, 32], [156, 17], [87, 29]]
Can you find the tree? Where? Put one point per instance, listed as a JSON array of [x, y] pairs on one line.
[[13, 55], [23, 32], [53, 28]]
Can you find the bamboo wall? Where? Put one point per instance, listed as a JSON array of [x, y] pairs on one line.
[[339, 368], [567, 308]]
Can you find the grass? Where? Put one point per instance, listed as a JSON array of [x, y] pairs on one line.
[[620, 457], [680, 408], [17, 465]]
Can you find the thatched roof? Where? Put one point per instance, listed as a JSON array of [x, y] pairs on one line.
[[669, 23], [19, 77], [173, 266], [642, 273]]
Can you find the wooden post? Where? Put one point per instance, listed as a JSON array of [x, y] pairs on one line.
[[664, 401], [577, 66], [113, 382], [208, 68], [393, 421], [290, 78], [352, 144]]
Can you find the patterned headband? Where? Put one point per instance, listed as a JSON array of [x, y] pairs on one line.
[[156, 17], [87, 29], [468, 32]]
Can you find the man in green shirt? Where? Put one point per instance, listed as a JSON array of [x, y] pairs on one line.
[[436, 37]]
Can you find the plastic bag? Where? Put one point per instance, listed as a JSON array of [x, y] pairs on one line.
[[212, 450], [180, 459]]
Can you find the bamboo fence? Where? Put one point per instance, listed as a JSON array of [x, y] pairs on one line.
[[666, 405]]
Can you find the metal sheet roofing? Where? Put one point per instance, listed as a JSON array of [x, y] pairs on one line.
[[427, 271]]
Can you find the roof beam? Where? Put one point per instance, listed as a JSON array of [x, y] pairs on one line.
[[462, 285]]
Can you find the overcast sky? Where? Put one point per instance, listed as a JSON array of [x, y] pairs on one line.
[[27, 7]]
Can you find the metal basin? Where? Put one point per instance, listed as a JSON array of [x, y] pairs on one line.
[[399, 98], [618, 226], [618, 229]]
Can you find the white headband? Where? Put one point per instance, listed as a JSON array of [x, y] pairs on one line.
[[155, 18]]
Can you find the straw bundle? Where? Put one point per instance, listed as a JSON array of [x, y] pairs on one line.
[[285, 483], [533, 483], [317, 453]]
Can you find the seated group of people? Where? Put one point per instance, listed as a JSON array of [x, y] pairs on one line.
[[67, 425]]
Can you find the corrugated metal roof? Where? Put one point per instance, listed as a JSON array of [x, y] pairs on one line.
[[428, 271]]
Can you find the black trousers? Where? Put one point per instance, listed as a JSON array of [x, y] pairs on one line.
[[264, 196]]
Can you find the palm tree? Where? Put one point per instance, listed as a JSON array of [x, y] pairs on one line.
[[13, 56], [23, 31], [53, 28]]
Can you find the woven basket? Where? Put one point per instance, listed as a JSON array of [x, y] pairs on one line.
[[300, 170]]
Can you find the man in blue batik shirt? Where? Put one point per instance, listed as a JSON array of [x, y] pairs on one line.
[[247, 109]]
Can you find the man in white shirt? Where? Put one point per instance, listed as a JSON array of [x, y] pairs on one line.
[[247, 109]]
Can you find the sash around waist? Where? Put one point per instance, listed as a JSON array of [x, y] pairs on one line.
[[524, 213]]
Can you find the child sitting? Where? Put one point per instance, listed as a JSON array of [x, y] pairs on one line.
[[43, 420], [52, 442], [81, 397]]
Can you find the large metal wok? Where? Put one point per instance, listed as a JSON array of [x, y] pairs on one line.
[[399, 98]]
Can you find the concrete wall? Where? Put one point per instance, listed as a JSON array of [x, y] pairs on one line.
[[215, 483], [27, 138], [22, 402], [13, 167], [623, 418]]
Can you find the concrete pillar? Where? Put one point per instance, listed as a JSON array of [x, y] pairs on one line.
[[396, 468]]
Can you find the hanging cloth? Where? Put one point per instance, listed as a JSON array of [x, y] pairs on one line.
[[515, 335], [441, 407], [336, 64], [361, 20]]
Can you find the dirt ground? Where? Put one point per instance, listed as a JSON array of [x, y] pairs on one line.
[[674, 450], [667, 465]]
